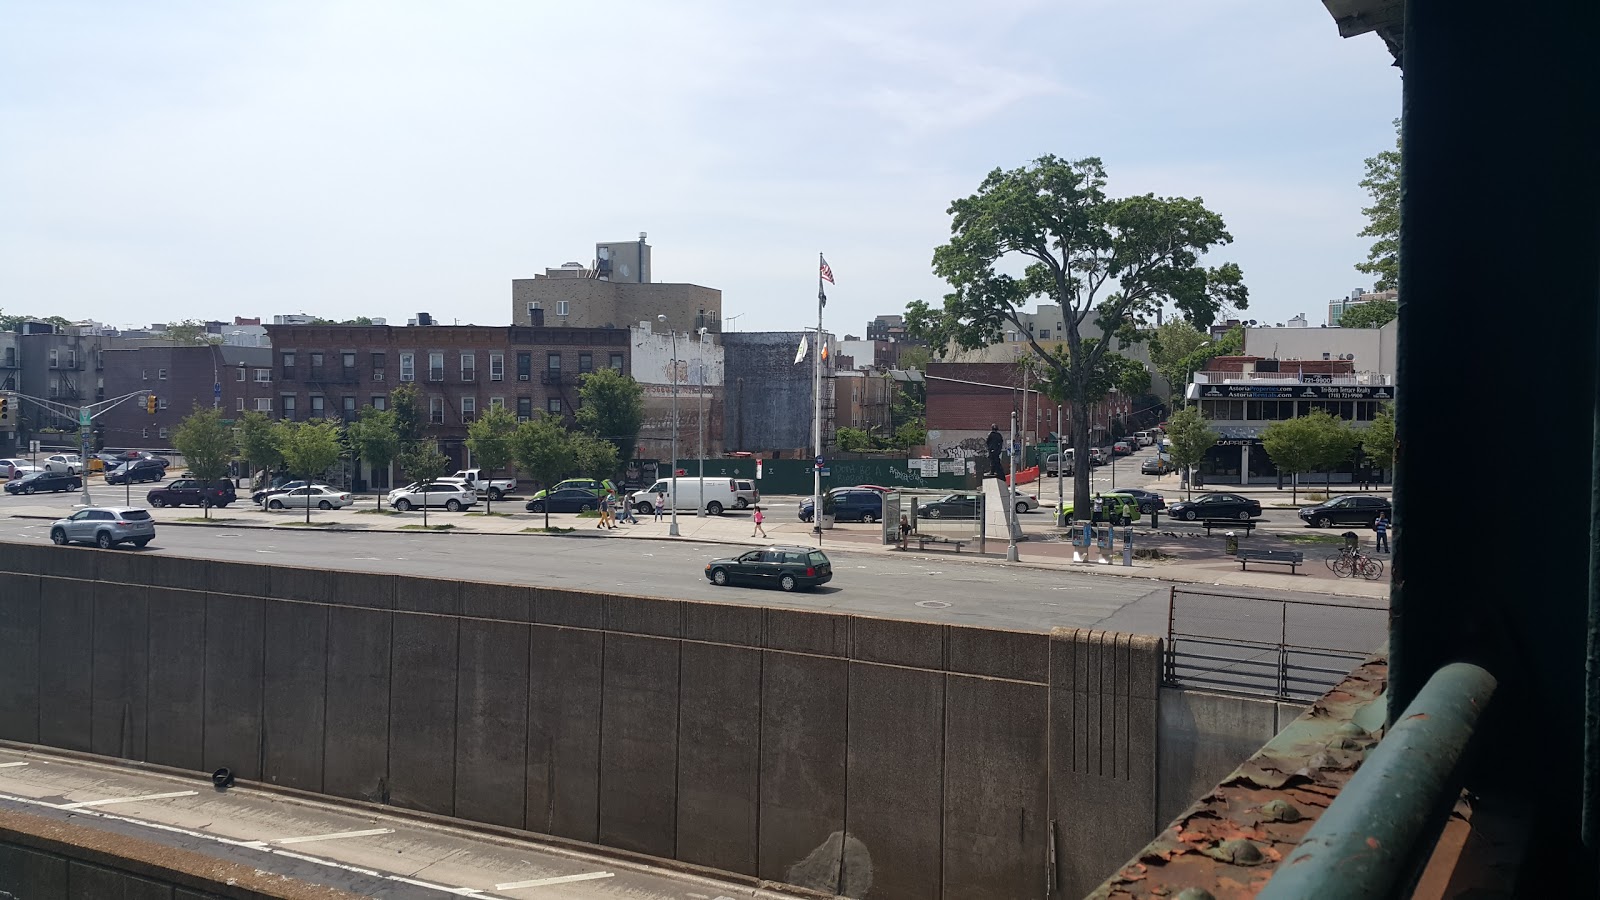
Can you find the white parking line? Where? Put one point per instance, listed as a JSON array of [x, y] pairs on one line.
[[332, 837], [110, 800], [559, 879], [11, 765]]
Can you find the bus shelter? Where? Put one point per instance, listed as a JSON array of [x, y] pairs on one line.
[[937, 517]]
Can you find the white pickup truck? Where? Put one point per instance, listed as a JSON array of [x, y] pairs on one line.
[[493, 488]]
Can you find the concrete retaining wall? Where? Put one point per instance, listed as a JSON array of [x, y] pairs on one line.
[[1204, 736], [877, 758]]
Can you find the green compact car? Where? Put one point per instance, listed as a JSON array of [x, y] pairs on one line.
[[589, 484], [1122, 508]]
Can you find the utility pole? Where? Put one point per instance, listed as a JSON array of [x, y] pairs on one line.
[[672, 530], [700, 417], [86, 416], [1011, 498]]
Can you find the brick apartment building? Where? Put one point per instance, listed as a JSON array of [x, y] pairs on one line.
[[333, 371], [181, 378]]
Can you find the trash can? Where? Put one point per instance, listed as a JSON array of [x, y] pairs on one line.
[[1230, 542], [1351, 541]]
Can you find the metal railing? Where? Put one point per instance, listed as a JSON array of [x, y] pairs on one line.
[[1249, 645], [1380, 831]]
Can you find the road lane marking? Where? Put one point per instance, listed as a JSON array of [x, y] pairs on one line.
[[110, 800], [332, 837], [11, 765], [559, 879]]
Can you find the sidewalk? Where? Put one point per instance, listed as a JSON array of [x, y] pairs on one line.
[[1194, 560]]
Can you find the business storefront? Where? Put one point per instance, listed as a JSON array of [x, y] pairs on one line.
[[1240, 412]]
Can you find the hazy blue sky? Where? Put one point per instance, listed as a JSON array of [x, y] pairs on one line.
[[171, 160]]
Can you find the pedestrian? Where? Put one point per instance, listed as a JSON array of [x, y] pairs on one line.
[[1381, 527], [611, 509], [905, 531], [661, 503], [605, 512], [758, 517], [625, 510]]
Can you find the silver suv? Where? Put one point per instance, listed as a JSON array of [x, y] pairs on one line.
[[105, 526]]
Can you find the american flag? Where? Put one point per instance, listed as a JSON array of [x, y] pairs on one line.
[[827, 272]]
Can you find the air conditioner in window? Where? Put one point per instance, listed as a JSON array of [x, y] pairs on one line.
[[524, 377]]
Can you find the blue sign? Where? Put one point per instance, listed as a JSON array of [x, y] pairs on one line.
[[819, 461], [825, 473], [216, 390]]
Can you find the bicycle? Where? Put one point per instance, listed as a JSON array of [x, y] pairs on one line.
[[1335, 560], [1356, 562]]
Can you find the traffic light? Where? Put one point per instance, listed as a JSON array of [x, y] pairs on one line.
[[150, 404], [5, 408]]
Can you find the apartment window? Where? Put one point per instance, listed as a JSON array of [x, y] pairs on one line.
[[144, 432], [240, 406], [561, 307], [72, 358], [435, 366], [553, 361], [161, 403], [524, 366], [287, 405], [408, 367], [497, 367], [469, 367], [380, 402], [524, 408], [161, 374], [264, 376], [162, 432], [1044, 333], [242, 374], [380, 360], [316, 407], [436, 410], [469, 408], [263, 404], [497, 403], [99, 358], [288, 365], [145, 374], [553, 405], [585, 362], [316, 360], [349, 409], [349, 359], [616, 361], [54, 362]]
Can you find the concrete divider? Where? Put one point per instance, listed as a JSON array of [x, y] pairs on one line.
[[869, 757], [1206, 735]]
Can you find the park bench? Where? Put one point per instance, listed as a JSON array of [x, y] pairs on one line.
[[923, 540], [1224, 524], [1290, 558]]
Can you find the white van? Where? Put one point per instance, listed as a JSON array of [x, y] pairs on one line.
[[721, 492]]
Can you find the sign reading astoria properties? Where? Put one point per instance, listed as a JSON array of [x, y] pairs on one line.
[[1297, 392]]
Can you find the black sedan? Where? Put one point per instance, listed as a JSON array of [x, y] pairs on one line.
[[1216, 506], [138, 470], [1348, 509], [1149, 501], [955, 506], [44, 483], [789, 568], [566, 500]]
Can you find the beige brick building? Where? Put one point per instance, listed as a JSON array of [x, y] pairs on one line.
[[592, 303]]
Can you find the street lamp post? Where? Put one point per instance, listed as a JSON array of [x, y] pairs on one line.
[[700, 418], [672, 530]]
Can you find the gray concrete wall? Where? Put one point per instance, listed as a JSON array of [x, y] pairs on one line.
[[1204, 736], [877, 758]]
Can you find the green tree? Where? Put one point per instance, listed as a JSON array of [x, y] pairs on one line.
[[612, 409], [853, 440], [207, 446], [1383, 216], [423, 461], [260, 442], [593, 456], [543, 449], [1107, 262], [190, 331], [1338, 441], [489, 439], [309, 449], [407, 406], [1295, 446], [1371, 314], [1171, 344], [375, 437], [1377, 440], [910, 434], [1190, 440]]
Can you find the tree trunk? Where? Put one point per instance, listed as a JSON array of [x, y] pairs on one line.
[[1081, 467]]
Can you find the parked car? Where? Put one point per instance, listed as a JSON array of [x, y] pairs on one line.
[[260, 497], [1160, 464], [745, 493], [1122, 448], [319, 495], [849, 505], [1149, 501], [1118, 508], [16, 468], [1347, 509], [192, 492], [114, 458], [105, 527], [1099, 456], [1052, 463], [65, 463], [565, 500], [137, 470], [493, 488], [1216, 506], [44, 483], [450, 495], [790, 568], [951, 506], [595, 486], [717, 491], [1145, 438]]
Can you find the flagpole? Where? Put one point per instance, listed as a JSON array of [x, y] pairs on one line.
[[816, 423]]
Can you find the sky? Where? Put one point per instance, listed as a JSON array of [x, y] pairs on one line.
[[174, 160]]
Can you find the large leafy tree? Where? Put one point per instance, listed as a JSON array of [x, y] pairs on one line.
[[310, 448], [1170, 346], [1108, 262], [1294, 446], [207, 446], [612, 409], [543, 449], [1383, 216], [1377, 440], [1372, 314], [593, 457], [423, 461], [1190, 438], [407, 405], [375, 437], [489, 439], [260, 442]]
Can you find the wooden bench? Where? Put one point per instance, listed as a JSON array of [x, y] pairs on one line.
[[923, 540], [1225, 524], [1290, 558]]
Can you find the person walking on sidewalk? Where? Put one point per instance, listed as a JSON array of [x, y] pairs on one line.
[[905, 531], [661, 503], [758, 517], [1380, 526], [626, 515], [606, 504]]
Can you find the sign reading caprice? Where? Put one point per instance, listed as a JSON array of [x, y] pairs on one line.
[[1297, 392]]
